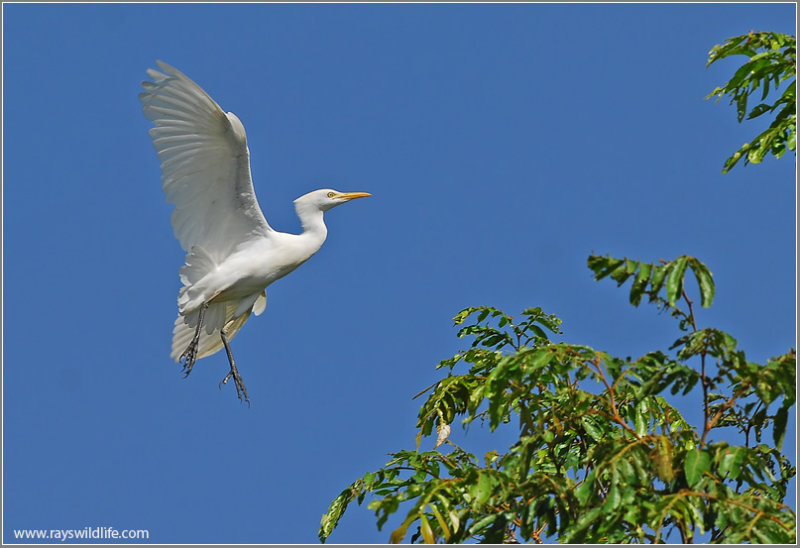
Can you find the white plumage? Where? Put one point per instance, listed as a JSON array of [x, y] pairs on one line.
[[232, 254]]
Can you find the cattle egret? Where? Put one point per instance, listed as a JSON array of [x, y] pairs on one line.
[[232, 254]]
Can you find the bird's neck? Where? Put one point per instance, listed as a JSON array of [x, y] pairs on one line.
[[314, 228]]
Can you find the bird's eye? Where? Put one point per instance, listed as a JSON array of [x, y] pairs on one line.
[[331, 194]]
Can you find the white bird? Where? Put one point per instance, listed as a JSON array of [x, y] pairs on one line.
[[232, 254]]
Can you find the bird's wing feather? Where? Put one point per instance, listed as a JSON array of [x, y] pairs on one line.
[[205, 165]]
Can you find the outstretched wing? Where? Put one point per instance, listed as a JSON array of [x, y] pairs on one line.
[[205, 165]]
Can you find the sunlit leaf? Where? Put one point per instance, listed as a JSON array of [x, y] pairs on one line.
[[399, 534], [425, 529], [591, 429], [442, 522], [697, 463], [454, 519], [641, 419], [730, 462]]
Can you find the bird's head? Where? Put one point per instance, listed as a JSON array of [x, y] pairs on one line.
[[326, 198]]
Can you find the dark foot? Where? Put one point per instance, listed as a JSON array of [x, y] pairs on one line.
[[190, 354], [237, 381], [234, 373]]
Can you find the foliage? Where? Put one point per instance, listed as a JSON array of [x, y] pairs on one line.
[[772, 61], [603, 454]]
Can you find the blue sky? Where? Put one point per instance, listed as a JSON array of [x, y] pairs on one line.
[[502, 145]]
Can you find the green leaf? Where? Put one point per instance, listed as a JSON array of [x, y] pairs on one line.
[[613, 499], [640, 284], [641, 418], [461, 316], [482, 523], [331, 518], [772, 59], [705, 281], [603, 266], [768, 533], [591, 429], [741, 106], [587, 488], [739, 77], [730, 462], [659, 273], [576, 534], [779, 426], [442, 523], [677, 268], [662, 456], [399, 534], [482, 490], [697, 464], [760, 109], [425, 529], [454, 519]]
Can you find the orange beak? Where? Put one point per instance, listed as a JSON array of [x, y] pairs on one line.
[[353, 195]]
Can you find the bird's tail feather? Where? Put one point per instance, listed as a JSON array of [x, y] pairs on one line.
[[210, 342], [217, 315]]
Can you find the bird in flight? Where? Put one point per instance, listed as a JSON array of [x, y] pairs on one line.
[[232, 254]]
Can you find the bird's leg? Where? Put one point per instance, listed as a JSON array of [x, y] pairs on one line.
[[191, 351], [234, 373]]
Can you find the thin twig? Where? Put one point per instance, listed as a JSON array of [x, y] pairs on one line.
[[537, 534], [703, 377], [421, 393], [616, 416], [718, 415]]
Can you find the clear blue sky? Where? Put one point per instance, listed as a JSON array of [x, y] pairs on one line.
[[502, 144]]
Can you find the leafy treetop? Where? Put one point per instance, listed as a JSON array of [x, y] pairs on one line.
[[772, 59], [603, 454]]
